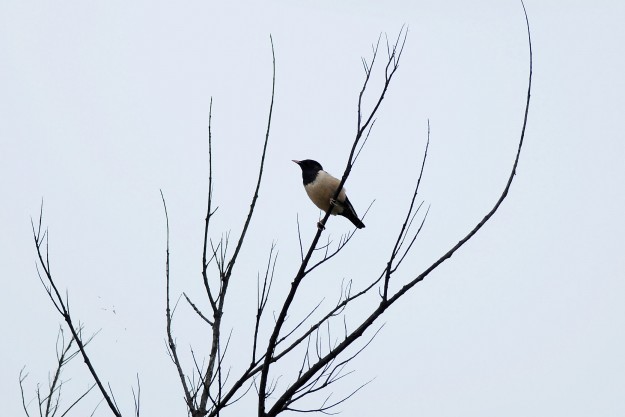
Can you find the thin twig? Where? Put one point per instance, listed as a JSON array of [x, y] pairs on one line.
[[197, 310]]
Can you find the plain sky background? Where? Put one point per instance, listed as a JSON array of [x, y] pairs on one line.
[[104, 103]]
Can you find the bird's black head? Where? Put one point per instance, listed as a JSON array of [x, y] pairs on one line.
[[310, 169]]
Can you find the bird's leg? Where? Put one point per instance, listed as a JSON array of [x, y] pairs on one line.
[[336, 203], [320, 226]]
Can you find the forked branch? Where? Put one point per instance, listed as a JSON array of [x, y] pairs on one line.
[[284, 401], [392, 64], [49, 404], [62, 306]]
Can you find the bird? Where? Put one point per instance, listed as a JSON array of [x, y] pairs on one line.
[[321, 187]]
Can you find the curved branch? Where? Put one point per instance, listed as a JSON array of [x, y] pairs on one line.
[[260, 170], [286, 398], [168, 315], [63, 308], [504, 193]]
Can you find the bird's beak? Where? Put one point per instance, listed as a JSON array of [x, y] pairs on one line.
[[297, 162]]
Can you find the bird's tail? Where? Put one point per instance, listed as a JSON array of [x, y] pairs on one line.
[[351, 215]]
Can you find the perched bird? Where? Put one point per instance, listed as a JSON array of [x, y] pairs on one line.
[[321, 187]]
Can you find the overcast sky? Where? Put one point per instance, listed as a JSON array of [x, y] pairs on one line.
[[104, 103]]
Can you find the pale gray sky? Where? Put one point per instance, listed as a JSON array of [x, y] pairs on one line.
[[103, 103]]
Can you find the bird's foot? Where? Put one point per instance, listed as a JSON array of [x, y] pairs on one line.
[[333, 202], [320, 226]]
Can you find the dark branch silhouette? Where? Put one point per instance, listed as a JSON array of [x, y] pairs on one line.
[[62, 306], [49, 404]]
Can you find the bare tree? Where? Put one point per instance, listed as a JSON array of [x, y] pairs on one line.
[[210, 387], [49, 401]]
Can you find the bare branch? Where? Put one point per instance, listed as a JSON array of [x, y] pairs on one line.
[[197, 310], [137, 398], [503, 195], [263, 296], [299, 237], [49, 405], [209, 213], [260, 170], [403, 231], [168, 316], [22, 378], [63, 308], [96, 407], [227, 271], [283, 402], [303, 267], [77, 400]]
